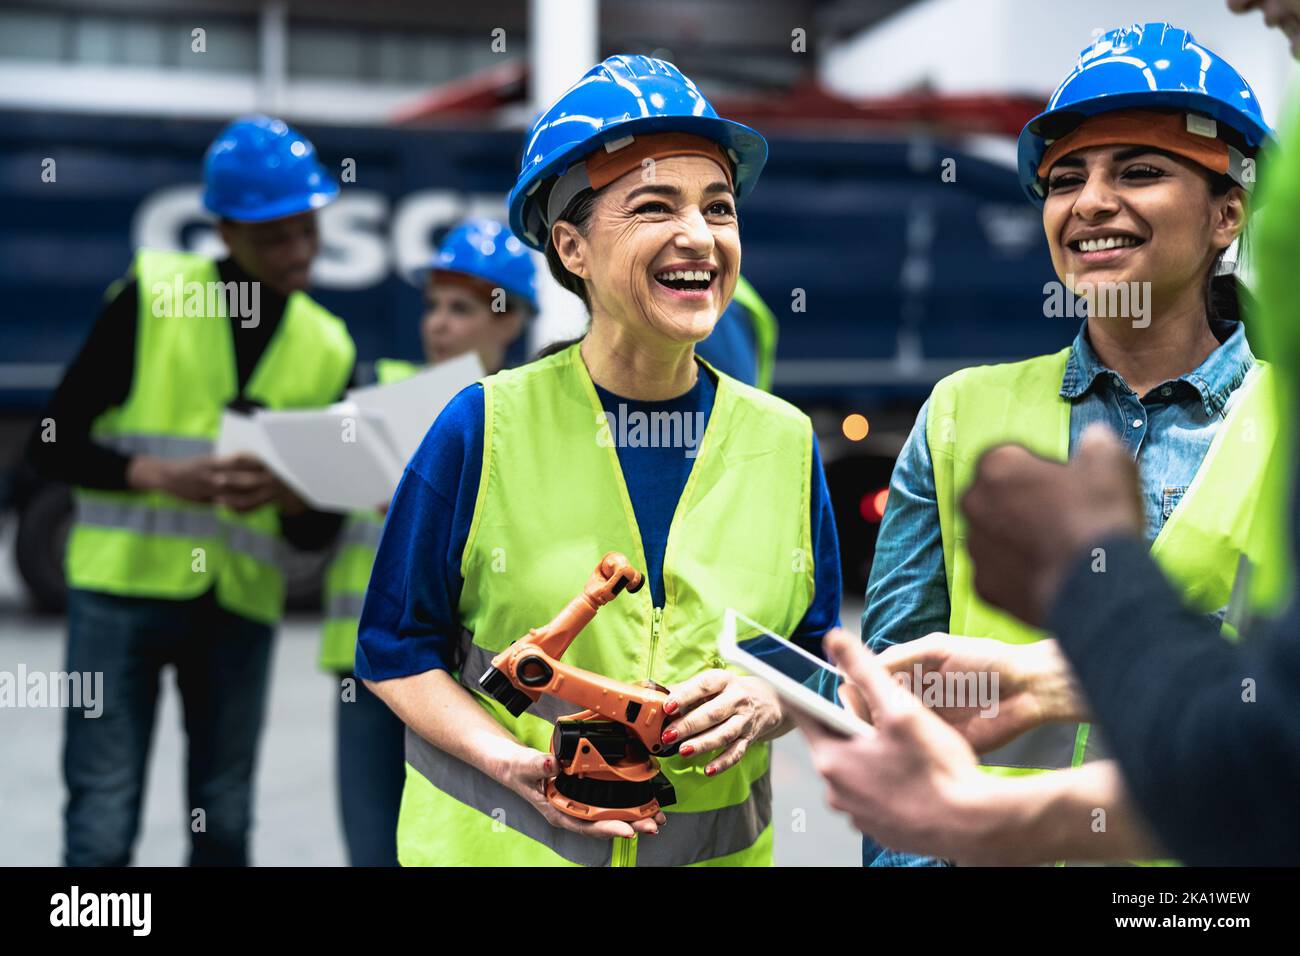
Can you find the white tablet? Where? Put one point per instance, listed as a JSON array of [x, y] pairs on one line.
[[808, 684]]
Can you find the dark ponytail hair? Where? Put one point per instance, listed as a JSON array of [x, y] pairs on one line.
[[1224, 294], [578, 212]]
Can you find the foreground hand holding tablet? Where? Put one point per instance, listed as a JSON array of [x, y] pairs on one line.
[[905, 778], [912, 782], [1030, 684]]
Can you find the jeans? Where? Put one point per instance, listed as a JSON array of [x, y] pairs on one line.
[[222, 663], [371, 772]]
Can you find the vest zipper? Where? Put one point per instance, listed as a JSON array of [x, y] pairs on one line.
[[656, 621]]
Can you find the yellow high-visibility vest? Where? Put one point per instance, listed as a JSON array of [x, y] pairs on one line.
[[552, 501], [151, 544]]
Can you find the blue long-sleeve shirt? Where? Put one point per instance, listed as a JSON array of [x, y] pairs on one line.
[[1168, 432], [409, 622]]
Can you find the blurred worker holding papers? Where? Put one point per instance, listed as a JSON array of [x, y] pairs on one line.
[[480, 291], [175, 555]]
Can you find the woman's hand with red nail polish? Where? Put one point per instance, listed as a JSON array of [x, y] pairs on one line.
[[722, 710], [526, 772]]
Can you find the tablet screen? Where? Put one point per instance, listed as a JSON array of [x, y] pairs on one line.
[[795, 663]]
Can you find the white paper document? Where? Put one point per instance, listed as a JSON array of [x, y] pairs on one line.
[[409, 407], [350, 456], [241, 432]]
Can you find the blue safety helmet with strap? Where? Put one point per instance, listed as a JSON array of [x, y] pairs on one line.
[[1147, 66], [623, 96], [261, 168], [485, 249]]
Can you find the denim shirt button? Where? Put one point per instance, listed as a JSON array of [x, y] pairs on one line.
[[1137, 423], [1166, 391]]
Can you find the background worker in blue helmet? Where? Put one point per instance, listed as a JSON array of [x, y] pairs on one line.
[[480, 290], [174, 558], [1142, 164]]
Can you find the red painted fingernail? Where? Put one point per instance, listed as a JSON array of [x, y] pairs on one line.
[[670, 707], [670, 736], [710, 771], [686, 750]]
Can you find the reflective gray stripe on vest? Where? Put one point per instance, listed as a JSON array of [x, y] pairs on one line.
[[255, 544], [1096, 747], [1239, 615], [708, 834], [160, 446], [345, 605], [359, 531], [1049, 747], [475, 789], [144, 519], [476, 660], [686, 838]]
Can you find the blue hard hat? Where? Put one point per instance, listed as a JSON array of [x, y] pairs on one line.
[[484, 248], [260, 168], [623, 96], [1143, 66]]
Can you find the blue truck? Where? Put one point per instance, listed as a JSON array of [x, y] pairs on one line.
[[890, 257]]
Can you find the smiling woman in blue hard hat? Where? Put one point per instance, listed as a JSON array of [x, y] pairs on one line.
[[174, 557], [1203, 764], [480, 291], [1142, 165], [629, 184]]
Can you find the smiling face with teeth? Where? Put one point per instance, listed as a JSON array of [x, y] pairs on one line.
[[1121, 214], [661, 251]]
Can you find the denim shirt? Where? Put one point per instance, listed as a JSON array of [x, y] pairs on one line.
[[1167, 431]]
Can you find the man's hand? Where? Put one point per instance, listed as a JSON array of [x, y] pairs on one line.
[[239, 481], [1034, 684], [191, 479], [1030, 518], [245, 483], [910, 781]]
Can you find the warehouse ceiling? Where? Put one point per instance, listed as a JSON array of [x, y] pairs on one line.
[[733, 45]]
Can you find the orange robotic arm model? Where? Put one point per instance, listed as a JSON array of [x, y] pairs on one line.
[[607, 753]]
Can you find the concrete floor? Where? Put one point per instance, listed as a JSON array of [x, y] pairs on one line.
[[296, 817]]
